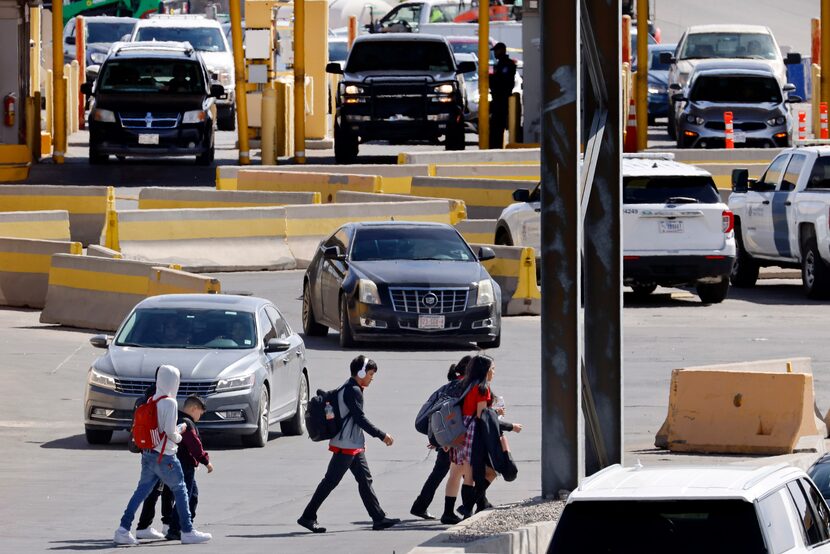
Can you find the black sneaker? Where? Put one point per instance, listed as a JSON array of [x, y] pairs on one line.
[[423, 514], [450, 519], [385, 523], [311, 525]]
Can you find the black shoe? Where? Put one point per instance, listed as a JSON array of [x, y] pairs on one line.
[[311, 525], [385, 523], [465, 511], [423, 514], [480, 507], [173, 535], [450, 519]]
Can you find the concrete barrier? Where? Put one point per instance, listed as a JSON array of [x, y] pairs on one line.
[[44, 225], [485, 199], [529, 172], [165, 280], [87, 206], [505, 157], [306, 226], [161, 198], [218, 239], [514, 269], [746, 408], [24, 269], [396, 178], [327, 184], [458, 210], [481, 231], [103, 252]]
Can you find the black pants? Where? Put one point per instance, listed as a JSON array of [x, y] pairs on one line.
[[192, 496], [439, 471], [498, 122], [339, 464], [148, 510]]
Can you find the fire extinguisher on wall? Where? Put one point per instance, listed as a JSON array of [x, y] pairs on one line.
[[9, 109]]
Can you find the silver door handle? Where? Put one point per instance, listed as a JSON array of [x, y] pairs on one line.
[[299, 354], [765, 202], [285, 361]]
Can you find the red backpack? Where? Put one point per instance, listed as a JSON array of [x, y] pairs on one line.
[[146, 432]]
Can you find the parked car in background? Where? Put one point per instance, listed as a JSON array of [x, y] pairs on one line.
[[101, 32], [727, 508], [207, 37], [338, 49], [658, 82], [633, 35], [472, 92], [404, 282], [238, 353], [407, 17], [746, 88], [819, 472]]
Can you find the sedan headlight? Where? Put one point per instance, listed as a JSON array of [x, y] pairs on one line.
[[195, 116], [368, 292], [353, 89], [100, 379], [774, 121], [485, 295], [98, 57], [696, 120], [104, 116], [446, 88], [236, 383]]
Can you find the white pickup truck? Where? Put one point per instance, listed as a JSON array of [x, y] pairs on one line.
[[782, 218]]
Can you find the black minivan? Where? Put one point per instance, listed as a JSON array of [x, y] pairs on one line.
[[152, 99]]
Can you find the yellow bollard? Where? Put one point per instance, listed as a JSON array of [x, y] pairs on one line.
[[315, 57], [241, 92], [514, 119], [74, 90], [299, 81], [34, 58], [50, 99], [59, 84], [285, 119], [483, 75], [641, 96], [269, 121], [815, 98]]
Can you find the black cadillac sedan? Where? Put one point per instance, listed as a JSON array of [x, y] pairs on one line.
[[401, 281]]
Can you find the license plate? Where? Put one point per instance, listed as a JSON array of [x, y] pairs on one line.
[[430, 322], [148, 139], [739, 137], [671, 226]]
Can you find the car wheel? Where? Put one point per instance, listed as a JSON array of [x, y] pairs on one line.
[[495, 343], [296, 425], [310, 326], [98, 436], [345, 145], [455, 139], [207, 157], [503, 237], [346, 337], [745, 268], [713, 293], [641, 292], [97, 159], [226, 120], [815, 275], [260, 437]]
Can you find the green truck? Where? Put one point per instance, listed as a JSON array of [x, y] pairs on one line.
[[124, 8]]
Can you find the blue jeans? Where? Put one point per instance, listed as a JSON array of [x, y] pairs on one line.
[[192, 494], [169, 471]]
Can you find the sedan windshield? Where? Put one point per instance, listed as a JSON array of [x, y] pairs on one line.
[[203, 39], [410, 243], [736, 90], [186, 328], [107, 32], [728, 45], [156, 75], [403, 55]]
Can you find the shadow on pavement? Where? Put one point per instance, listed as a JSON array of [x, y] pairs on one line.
[[84, 544], [78, 442]]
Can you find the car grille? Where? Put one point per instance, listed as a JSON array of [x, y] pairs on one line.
[[138, 386], [399, 101], [738, 125], [429, 301], [149, 120]]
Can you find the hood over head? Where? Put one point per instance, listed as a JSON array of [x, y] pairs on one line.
[[167, 381]]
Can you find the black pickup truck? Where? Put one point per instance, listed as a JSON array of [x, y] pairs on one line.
[[399, 87]]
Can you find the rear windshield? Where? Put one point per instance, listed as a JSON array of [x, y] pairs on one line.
[[169, 76], [736, 90], [203, 39], [400, 56], [729, 45], [107, 32], [670, 190], [410, 243], [465, 47], [679, 527]]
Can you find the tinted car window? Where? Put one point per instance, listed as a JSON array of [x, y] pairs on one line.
[[662, 190], [679, 527], [728, 45], [401, 55], [465, 47], [773, 173], [820, 474], [280, 325], [736, 90], [654, 61], [410, 243], [152, 75], [812, 531], [776, 522], [819, 507], [268, 331], [203, 39], [338, 51], [186, 328], [107, 32], [793, 170], [820, 174]]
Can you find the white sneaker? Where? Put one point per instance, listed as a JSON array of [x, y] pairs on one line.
[[148, 533], [195, 537], [123, 536]]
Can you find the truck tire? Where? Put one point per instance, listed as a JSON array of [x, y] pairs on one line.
[[745, 269], [815, 274], [713, 293], [455, 139], [345, 145], [643, 291]]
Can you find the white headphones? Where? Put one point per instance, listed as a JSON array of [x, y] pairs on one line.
[[362, 373]]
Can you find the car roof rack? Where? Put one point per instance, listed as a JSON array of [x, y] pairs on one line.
[[167, 46]]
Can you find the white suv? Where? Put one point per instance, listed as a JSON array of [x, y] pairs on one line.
[[733, 509], [676, 228], [207, 38]]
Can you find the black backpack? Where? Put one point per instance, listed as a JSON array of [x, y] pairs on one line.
[[445, 392], [318, 426]]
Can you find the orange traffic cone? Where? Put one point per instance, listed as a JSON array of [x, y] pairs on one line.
[[630, 143]]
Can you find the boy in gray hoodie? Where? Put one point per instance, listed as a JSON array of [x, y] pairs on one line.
[[162, 464]]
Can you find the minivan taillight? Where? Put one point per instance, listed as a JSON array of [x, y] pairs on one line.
[[727, 221]]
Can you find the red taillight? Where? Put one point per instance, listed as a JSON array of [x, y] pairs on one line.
[[715, 257], [727, 221], [631, 257]]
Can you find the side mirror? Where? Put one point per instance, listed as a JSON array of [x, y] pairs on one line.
[[100, 341], [277, 345], [217, 91], [793, 58], [740, 180], [70, 40], [333, 253], [794, 99], [486, 253], [667, 58], [789, 87], [678, 97], [334, 68], [521, 195], [466, 67], [86, 88]]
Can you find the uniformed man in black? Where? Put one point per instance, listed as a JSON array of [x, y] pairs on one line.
[[502, 82]]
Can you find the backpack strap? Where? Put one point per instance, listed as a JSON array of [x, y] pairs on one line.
[[164, 443], [339, 434]]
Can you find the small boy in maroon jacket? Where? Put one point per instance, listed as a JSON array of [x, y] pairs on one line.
[[190, 454]]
